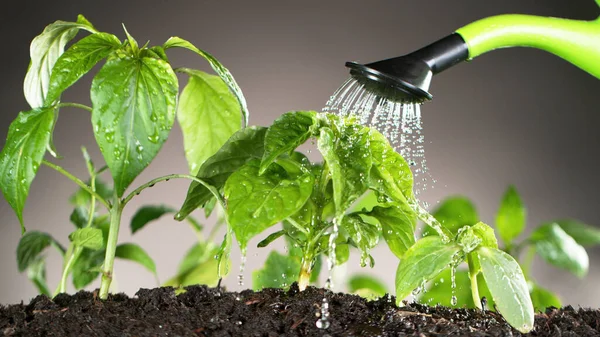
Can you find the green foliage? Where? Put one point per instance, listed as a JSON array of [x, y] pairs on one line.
[[134, 98], [510, 219], [508, 287], [208, 116], [20, 159], [560, 243], [280, 271]]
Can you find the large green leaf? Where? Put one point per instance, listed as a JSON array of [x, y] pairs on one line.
[[244, 145], [135, 253], [366, 286], [147, 214], [510, 219], [583, 234], [208, 115], [134, 103], [555, 246], [454, 213], [30, 247], [88, 237], [390, 174], [398, 227], [217, 67], [349, 160], [45, 49], [422, 262], [20, 159], [255, 203], [288, 132], [80, 58], [364, 235], [508, 287], [279, 271]]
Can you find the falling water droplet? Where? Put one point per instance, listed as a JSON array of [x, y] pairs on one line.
[[242, 267], [323, 321]]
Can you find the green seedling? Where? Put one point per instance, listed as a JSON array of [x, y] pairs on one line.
[[134, 103], [560, 243], [264, 182]]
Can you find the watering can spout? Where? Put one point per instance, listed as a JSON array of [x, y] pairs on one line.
[[407, 78]]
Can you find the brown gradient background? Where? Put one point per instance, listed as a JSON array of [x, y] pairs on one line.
[[515, 116]]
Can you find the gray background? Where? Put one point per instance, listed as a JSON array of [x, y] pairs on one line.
[[516, 116]]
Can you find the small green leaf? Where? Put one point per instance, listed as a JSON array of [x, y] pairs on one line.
[[244, 145], [147, 214], [217, 67], [272, 237], [559, 249], [422, 262], [134, 103], [79, 59], [486, 234], [366, 286], [199, 253], [135, 253], [508, 287], [133, 45], [79, 217], [87, 238], [208, 115], [454, 213], [467, 239], [157, 52], [36, 273], [286, 133], [255, 203], [397, 226], [20, 159], [280, 271], [30, 247], [349, 161], [45, 50], [510, 219], [364, 236], [583, 234], [543, 298], [390, 174], [223, 253], [85, 268]]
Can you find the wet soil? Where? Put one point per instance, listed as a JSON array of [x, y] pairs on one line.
[[203, 311]]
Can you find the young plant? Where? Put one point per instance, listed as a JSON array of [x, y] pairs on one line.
[[265, 182], [561, 243], [134, 104]]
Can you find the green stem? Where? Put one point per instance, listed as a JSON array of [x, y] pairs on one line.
[[111, 247], [526, 265], [71, 257], [297, 225], [474, 286], [75, 105], [76, 181], [92, 202], [305, 271], [152, 182]]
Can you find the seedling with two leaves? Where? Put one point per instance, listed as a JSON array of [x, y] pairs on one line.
[[560, 243]]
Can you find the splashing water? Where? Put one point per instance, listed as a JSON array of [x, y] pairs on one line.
[[323, 321], [399, 122]]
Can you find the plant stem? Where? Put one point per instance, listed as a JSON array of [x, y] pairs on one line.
[[75, 105], [305, 271], [71, 257], [111, 247], [76, 181], [174, 176], [474, 286]]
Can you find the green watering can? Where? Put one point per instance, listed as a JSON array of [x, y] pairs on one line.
[[406, 79]]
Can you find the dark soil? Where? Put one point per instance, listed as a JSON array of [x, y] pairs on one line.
[[203, 311]]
